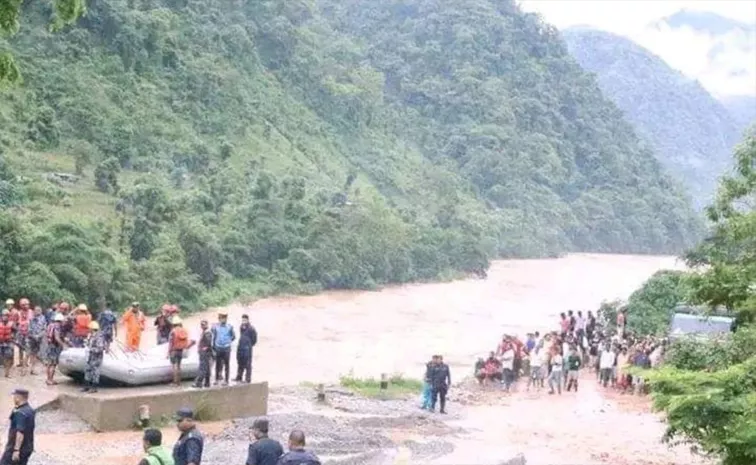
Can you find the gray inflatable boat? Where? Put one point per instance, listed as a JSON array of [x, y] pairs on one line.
[[122, 368]]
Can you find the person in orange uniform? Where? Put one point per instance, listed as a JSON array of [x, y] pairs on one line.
[[24, 316], [81, 320], [134, 322], [6, 342]]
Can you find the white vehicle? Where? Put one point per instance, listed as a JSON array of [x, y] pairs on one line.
[[120, 367]]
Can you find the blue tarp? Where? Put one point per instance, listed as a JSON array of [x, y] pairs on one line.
[[684, 324]]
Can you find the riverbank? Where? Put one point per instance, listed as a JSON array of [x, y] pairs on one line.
[[484, 427]]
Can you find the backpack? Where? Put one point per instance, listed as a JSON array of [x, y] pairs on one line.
[[180, 338]]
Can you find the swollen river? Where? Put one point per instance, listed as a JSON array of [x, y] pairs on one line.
[[321, 337]]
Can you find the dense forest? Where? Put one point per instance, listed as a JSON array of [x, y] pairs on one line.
[[201, 151], [691, 132]]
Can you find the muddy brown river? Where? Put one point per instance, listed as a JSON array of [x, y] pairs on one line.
[[394, 330]]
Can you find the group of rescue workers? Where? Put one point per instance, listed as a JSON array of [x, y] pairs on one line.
[[39, 336], [556, 358]]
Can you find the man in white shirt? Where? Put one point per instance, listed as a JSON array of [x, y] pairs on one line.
[[606, 364], [555, 377], [507, 365]]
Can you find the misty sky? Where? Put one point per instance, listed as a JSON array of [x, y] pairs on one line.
[[732, 73]]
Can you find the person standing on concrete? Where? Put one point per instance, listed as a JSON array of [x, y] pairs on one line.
[[96, 345], [55, 344], [155, 452], [247, 340], [178, 342], [37, 326], [297, 454], [20, 444], [205, 350], [223, 337], [188, 448], [263, 450], [7, 351], [440, 382]]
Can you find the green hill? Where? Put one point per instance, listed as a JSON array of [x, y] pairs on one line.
[[692, 133], [224, 148]]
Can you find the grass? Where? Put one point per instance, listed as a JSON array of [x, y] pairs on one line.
[[398, 386]]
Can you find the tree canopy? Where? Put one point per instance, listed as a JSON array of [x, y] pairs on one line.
[[208, 150]]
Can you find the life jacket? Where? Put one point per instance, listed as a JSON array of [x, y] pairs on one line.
[[159, 455], [180, 338], [6, 332], [81, 324]]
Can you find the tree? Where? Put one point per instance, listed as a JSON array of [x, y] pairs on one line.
[[66, 12], [715, 410]]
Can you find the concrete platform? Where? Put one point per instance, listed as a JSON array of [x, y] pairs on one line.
[[110, 411]]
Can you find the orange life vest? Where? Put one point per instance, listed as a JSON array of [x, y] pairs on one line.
[[180, 338], [81, 326], [6, 332]]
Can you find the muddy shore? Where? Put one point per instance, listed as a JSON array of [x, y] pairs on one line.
[[485, 426]]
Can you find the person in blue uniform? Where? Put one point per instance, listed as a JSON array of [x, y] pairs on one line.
[[188, 448], [20, 444]]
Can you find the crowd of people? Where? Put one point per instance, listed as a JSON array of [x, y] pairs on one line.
[[31, 336], [557, 358]]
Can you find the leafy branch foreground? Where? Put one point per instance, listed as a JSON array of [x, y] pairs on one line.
[[707, 388], [398, 386]]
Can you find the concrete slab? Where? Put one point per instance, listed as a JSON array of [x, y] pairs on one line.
[[110, 411]]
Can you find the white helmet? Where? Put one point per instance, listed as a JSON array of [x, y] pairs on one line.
[[59, 317]]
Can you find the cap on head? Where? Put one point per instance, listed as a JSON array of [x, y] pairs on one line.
[[20, 392], [93, 325], [82, 307], [10, 302], [184, 414], [261, 425], [176, 320], [135, 304]]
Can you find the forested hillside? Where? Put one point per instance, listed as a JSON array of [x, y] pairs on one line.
[[692, 133], [199, 151]]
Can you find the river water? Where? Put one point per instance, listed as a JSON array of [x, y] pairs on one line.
[[394, 330], [322, 337]]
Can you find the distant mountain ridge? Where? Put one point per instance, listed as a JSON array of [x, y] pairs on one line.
[[691, 131], [706, 21]]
